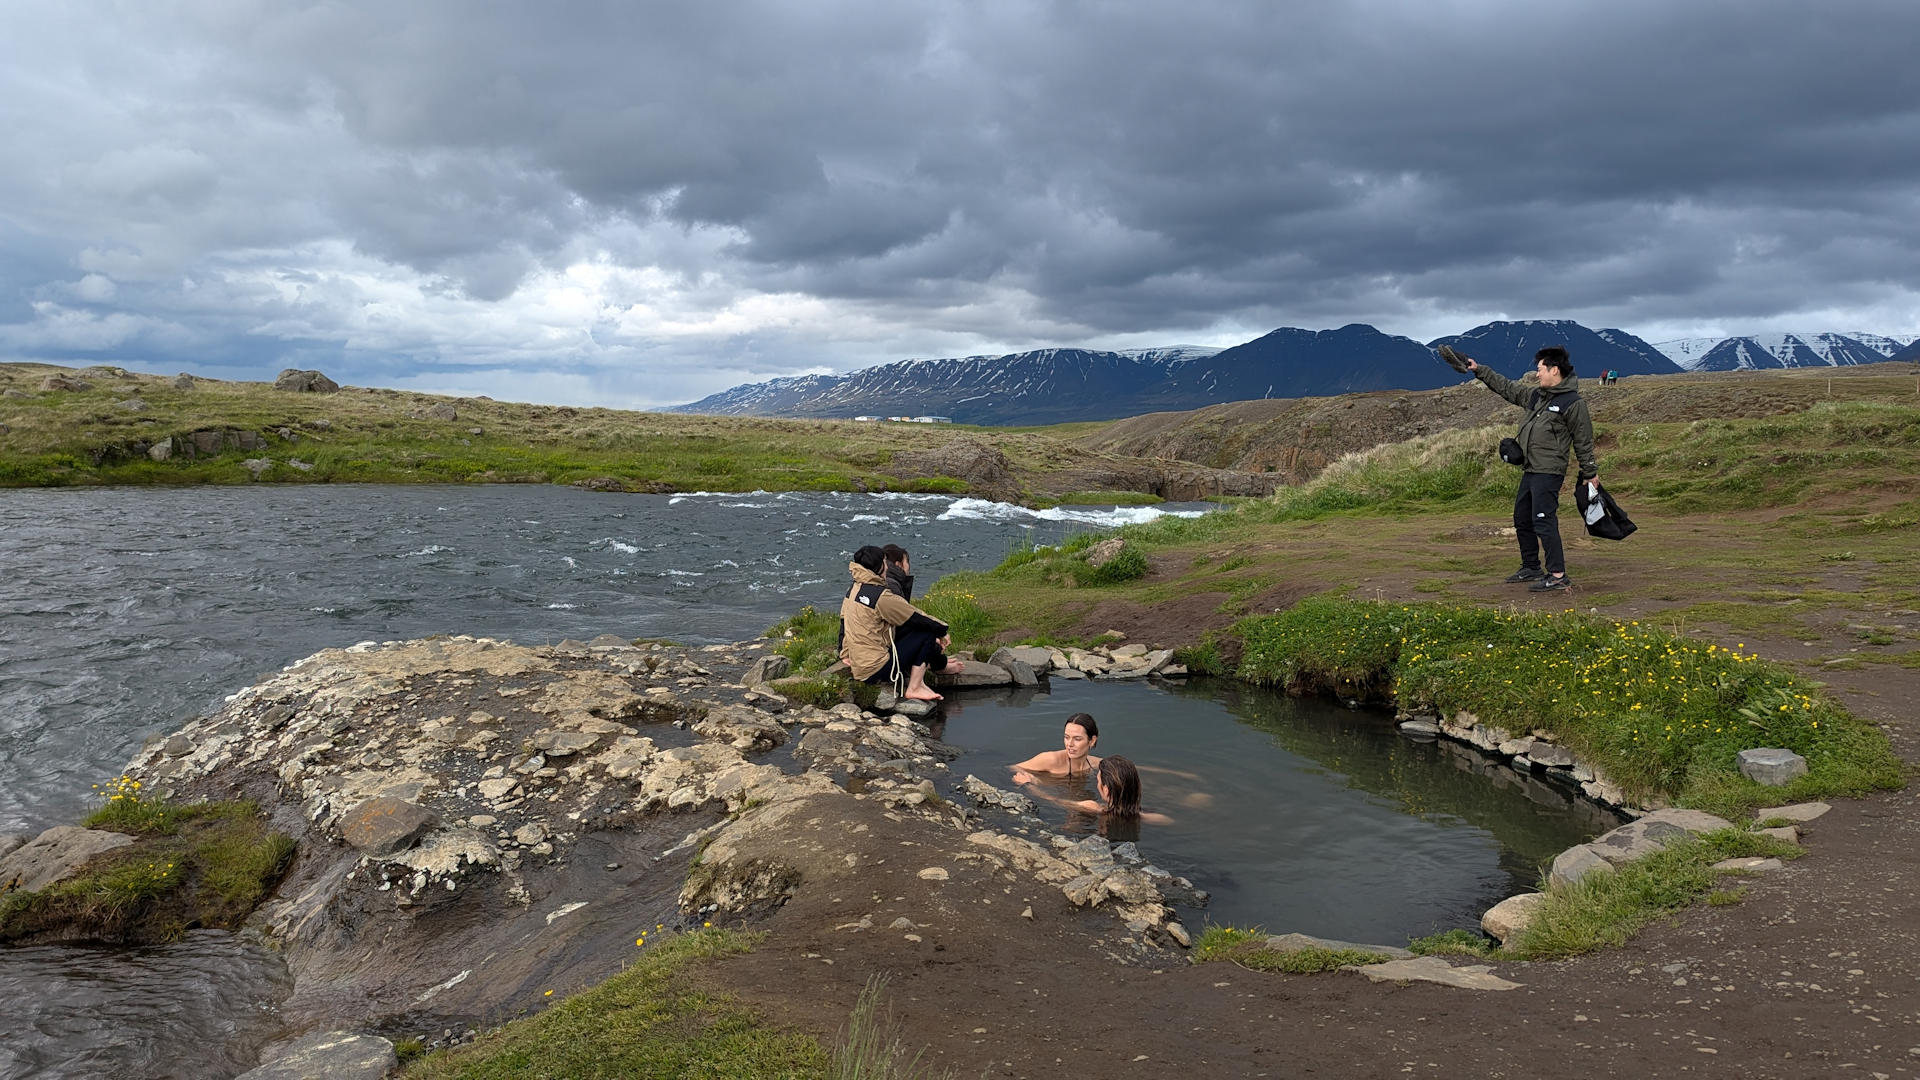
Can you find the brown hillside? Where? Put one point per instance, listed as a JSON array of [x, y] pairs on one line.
[[1297, 437]]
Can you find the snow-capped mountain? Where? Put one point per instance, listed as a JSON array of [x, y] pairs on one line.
[[1052, 386], [1780, 351]]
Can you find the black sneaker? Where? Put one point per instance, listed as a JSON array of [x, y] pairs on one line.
[[1525, 573], [1551, 584]]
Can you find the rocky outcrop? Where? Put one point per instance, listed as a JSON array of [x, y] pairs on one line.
[[475, 817], [53, 855], [309, 382]]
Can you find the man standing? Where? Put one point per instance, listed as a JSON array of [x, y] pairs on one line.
[[1557, 423]]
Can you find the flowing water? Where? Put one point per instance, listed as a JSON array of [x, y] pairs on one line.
[[124, 611]]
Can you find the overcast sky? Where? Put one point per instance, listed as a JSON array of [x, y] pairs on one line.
[[639, 204]]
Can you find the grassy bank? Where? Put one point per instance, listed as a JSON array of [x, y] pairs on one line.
[[103, 435], [651, 1020], [1663, 716], [192, 865]]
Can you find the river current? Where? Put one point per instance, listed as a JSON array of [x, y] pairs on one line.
[[122, 612]]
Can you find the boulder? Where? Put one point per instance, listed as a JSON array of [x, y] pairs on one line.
[[161, 450], [331, 1055], [1772, 766], [56, 853], [63, 382], [133, 404], [383, 825], [308, 382], [1575, 863], [1512, 915], [13, 841], [1551, 755], [184, 381], [443, 411], [743, 728], [766, 669], [1035, 657], [975, 673], [1105, 551]]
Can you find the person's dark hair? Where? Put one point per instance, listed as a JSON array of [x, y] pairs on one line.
[[871, 557], [1085, 720], [1122, 782], [1555, 357], [895, 553]]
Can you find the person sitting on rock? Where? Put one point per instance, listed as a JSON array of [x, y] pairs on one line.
[[899, 573], [884, 639], [1117, 781], [1075, 758]]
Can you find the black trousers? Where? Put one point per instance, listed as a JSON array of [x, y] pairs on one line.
[[911, 648], [1536, 521]]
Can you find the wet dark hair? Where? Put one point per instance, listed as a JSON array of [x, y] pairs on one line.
[[870, 557], [1122, 782], [1085, 720], [895, 553], [1555, 357]]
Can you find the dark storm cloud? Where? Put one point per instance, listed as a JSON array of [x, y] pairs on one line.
[[488, 187]]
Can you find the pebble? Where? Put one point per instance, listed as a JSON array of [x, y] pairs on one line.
[[933, 873]]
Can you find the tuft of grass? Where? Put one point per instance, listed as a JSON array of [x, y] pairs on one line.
[[809, 638], [1605, 909], [1249, 949], [648, 1020], [1129, 564], [1726, 897], [1660, 714], [870, 1045], [1452, 943], [1202, 659], [206, 864]]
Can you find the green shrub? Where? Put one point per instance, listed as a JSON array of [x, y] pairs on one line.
[[1129, 564], [1660, 714]]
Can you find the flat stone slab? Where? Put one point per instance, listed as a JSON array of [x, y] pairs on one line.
[[975, 673], [1293, 943], [1805, 811], [54, 854], [1420, 727], [1785, 832], [1752, 863], [332, 1055], [384, 825], [1434, 970]]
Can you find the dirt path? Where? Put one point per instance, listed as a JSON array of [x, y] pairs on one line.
[[1815, 974]]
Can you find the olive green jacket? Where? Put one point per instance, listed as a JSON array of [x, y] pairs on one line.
[[1556, 423]]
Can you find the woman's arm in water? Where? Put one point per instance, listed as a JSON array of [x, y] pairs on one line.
[[1182, 773], [1038, 790]]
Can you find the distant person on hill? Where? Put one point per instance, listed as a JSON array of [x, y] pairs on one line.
[[899, 573], [1557, 423], [884, 639]]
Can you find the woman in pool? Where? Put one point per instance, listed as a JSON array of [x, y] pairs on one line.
[[1076, 756], [1118, 783]]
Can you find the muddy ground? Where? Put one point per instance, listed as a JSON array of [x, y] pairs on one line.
[[1815, 974]]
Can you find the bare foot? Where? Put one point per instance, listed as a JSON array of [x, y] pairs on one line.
[[922, 694], [954, 667]]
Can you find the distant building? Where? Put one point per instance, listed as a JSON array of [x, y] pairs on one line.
[[867, 419], [930, 419]]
